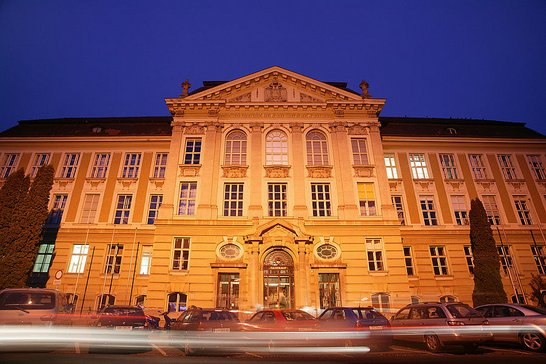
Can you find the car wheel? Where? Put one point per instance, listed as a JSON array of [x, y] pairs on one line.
[[432, 343], [533, 341]]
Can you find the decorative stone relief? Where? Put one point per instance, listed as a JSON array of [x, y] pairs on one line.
[[486, 185], [319, 171], [189, 170], [357, 130], [242, 98], [424, 185], [517, 185], [277, 171], [395, 184], [95, 182], [194, 129], [126, 183], [275, 92], [63, 183], [339, 113], [234, 171], [455, 184], [157, 182], [364, 171]]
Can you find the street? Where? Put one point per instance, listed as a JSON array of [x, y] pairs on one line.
[[168, 354]]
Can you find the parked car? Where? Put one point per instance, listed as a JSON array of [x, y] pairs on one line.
[[516, 323], [34, 306], [373, 328], [203, 329], [281, 320], [437, 324], [122, 318]]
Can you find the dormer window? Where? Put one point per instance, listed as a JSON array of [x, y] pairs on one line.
[[452, 131]]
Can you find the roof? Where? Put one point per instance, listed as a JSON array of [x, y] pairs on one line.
[[161, 126]]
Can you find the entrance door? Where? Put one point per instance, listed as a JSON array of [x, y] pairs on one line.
[[279, 280]]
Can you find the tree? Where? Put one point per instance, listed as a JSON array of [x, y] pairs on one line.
[[488, 286], [538, 289], [23, 231]]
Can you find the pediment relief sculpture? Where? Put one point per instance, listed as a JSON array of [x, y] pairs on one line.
[[275, 92]]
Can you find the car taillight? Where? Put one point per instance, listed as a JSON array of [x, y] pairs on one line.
[[455, 323]]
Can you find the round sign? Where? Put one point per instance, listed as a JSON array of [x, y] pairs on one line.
[[58, 274]]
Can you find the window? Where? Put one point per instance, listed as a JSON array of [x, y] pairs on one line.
[[366, 199], [505, 258], [415, 299], [439, 260], [160, 165], [100, 165], [418, 166], [228, 291], [459, 209], [233, 199], [123, 209], [114, 253], [145, 260], [329, 290], [9, 162], [507, 166], [77, 261], [428, 210], [235, 153], [89, 210], [320, 199], [390, 164], [276, 199], [448, 298], [374, 250], [478, 166], [153, 210], [469, 258], [43, 258], [131, 165], [56, 213], [491, 208], [360, 152], [70, 165], [381, 301], [186, 201], [276, 148], [398, 205], [139, 300], [192, 151], [177, 302], [539, 255], [40, 159], [105, 300], [523, 210], [408, 257], [536, 166], [181, 254], [317, 149], [448, 166]]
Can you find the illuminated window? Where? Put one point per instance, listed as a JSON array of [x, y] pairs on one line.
[[317, 149], [276, 148], [366, 199], [78, 258], [390, 164], [418, 166], [43, 258], [235, 153], [146, 260], [329, 290]]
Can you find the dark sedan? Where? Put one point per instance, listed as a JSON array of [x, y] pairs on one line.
[[122, 318]]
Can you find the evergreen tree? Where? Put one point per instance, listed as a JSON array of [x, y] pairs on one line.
[[537, 286], [20, 245], [488, 286]]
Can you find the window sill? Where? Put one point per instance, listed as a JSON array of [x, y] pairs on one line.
[[379, 274], [444, 278], [179, 272]]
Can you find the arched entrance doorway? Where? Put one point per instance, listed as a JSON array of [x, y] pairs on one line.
[[278, 280]]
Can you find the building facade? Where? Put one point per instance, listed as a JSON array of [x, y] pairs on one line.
[[278, 190]]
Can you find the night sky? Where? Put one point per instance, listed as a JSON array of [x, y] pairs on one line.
[[480, 59]]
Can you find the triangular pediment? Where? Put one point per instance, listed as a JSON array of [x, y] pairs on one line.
[[274, 85]]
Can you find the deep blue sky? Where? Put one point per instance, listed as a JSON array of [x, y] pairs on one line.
[[482, 59]]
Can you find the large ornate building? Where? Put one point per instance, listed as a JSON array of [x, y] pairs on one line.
[[276, 189]]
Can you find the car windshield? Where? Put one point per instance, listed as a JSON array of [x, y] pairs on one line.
[[460, 310], [297, 315], [538, 310], [27, 300]]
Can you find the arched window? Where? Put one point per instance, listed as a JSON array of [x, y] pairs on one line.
[[177, 302], [276, 148], [448, 298], [381, 301], [235, 153], [317, 149], [105, 300]]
